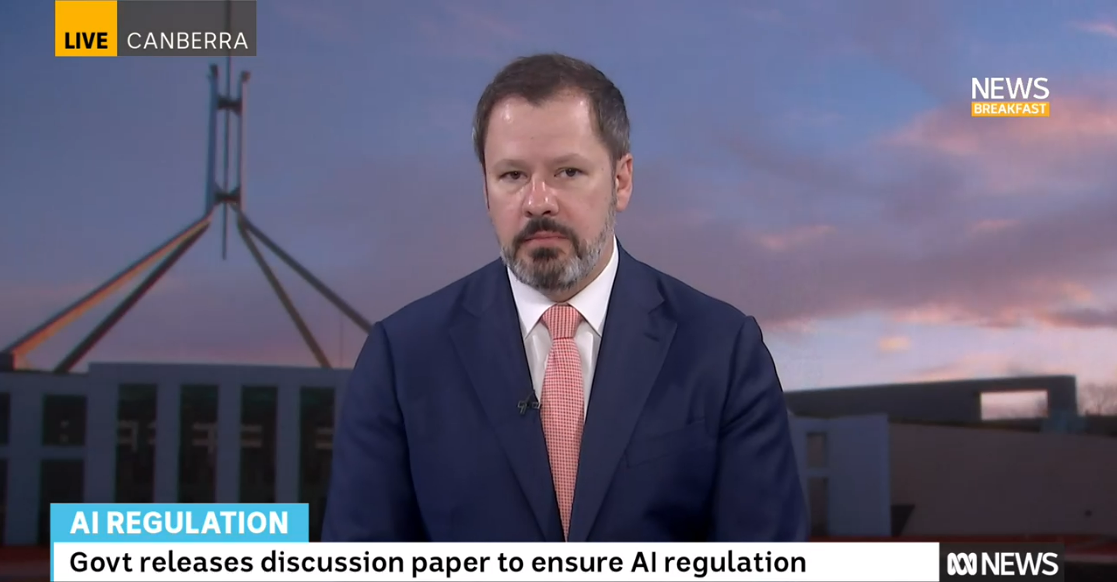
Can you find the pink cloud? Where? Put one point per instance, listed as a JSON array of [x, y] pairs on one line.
[[992, 225], [1099, 27], [1084, 317], [401, 232], [920, 252], [983, 364], [894, 344], [1068, 151], [996, 271], [793, 238]]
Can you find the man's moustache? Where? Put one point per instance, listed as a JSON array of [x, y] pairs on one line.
[[548, 227]]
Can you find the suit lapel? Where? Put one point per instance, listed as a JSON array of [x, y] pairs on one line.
[[634, 343], [491, 348]]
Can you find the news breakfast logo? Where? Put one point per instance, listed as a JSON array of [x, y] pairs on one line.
[[1009, 97], [155, 28], [1016, 562]]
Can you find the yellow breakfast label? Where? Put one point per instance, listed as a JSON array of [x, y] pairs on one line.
[[1009, 97], [1013, 109], [85, 29]]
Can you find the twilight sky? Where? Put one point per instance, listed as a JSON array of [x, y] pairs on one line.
[[813, 163]]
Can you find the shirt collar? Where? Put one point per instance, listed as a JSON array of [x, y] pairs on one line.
[[592, 302]]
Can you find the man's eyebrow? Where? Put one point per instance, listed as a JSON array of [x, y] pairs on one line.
[[509, 162], [568, 158], [558, 161]]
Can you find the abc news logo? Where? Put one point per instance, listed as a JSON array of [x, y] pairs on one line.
[[1020, 562], [1002, 564]]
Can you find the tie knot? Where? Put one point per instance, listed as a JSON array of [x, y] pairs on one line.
[[561, 320]]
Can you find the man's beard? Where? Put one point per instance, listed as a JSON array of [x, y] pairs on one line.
[[545, 269]]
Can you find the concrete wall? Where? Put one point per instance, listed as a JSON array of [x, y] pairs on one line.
[[100, 386], [941, 402], [960, 481], [966, 481], [844, 465], [849, 456]]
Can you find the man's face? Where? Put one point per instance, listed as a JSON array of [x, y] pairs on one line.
[[552, 190]]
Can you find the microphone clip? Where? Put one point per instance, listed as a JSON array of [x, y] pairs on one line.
[[530, 401]]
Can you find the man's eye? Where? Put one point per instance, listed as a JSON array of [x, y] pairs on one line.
[[511, 175], [570, 172]]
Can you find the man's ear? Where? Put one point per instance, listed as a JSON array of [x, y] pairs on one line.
[[622, 181]]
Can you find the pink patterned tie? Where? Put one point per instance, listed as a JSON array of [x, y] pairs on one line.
[[563, 405]]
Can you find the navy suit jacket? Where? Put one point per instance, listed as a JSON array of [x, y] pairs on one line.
[[686, 435]]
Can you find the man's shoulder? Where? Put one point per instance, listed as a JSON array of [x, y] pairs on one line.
[[689, 304], [436, 310]]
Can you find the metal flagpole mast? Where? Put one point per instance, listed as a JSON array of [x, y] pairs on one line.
[[163, 257]]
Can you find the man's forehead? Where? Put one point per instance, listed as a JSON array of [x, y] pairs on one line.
[[554, 131], [515, 110]]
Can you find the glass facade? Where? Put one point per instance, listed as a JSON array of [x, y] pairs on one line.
[[64, 420], [197, 452], [137, 422], [316, 426], [817, 452], [818, 492], [258, 411], [80, 442], [5, 417], [135, 449], [60, 481], [3, 498]]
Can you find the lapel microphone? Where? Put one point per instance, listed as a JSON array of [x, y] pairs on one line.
[[530, 401]]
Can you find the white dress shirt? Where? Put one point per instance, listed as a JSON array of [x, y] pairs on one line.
[[592, 302]]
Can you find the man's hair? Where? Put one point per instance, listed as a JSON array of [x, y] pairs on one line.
[[538, 78]]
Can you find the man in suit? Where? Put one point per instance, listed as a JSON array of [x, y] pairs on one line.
[[566, 391]]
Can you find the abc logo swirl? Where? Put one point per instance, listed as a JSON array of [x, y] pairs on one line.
[[961, 564]]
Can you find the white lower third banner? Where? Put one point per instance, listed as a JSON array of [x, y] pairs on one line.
[[275, 562], [154, 542]]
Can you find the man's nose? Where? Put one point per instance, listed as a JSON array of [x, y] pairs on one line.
[[539, 199]]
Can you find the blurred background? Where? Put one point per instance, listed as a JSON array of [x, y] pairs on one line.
[[939, 291]]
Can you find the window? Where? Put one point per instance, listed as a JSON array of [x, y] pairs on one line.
[[60, 481], [5, 420], [135, 448], [1003, 405], [197, 452], [818, 495], [64, 420], [257, 445], [315, 452], [816, 450], [3, 498]]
